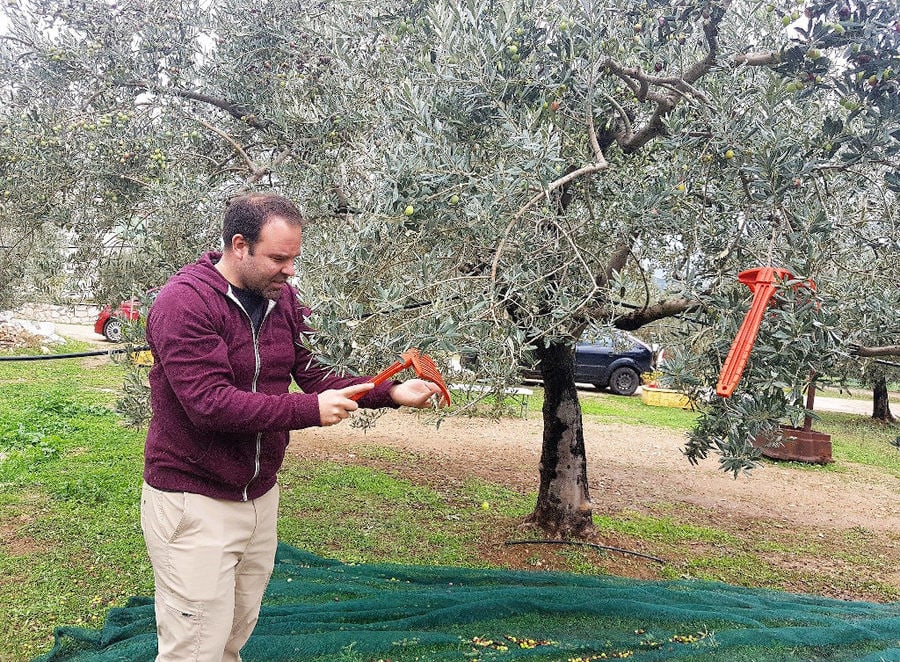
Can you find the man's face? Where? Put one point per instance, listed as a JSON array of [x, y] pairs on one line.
[[271, 262]]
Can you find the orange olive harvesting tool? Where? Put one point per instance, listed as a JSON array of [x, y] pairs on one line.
[[422, 364], [762, 282]]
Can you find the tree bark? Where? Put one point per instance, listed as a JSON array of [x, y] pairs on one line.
[[563, 506], [660, 310], [885, 350], [881, 406]]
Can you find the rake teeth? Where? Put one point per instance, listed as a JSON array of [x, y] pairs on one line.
[[426, 368]]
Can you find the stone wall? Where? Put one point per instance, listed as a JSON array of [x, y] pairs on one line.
[[70, 314]]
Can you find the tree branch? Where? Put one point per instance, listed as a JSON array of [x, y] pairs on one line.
[[639, 83], [237, 147], [232, 109], [885, 350], [17, 40], [757, 59], [660, 310], [261, 172], [622, 114], [562, 181], [235, 110], [592, 132], [616, 261]]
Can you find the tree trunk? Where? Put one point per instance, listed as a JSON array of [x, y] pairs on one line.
[[881, 407], [563, 505]]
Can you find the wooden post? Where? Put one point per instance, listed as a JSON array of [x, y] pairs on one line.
[[810, 399]]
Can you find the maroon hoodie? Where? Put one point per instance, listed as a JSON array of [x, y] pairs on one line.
[[221, 406]]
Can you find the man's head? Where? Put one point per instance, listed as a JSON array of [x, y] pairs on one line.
[[262, 234], [247, 215]]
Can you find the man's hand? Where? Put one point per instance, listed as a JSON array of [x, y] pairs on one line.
[[414, 393], [336, 405]]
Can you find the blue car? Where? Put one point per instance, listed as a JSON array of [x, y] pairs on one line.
[[615, 362]]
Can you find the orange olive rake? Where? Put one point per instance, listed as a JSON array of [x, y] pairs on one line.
[[422, 364], [762, 282]]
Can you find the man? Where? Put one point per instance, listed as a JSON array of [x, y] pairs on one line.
[[226, 336]]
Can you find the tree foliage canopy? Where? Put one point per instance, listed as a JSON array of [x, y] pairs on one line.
[[485, 175]]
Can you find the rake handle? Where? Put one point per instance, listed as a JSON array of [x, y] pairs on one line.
[[762, 282], [384, 375]]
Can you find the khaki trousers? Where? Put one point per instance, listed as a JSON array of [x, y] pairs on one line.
[[212, 560]]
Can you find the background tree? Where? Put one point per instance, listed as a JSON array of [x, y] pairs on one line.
[[485, 176], [878, 372], [869, 324], [872, 324]]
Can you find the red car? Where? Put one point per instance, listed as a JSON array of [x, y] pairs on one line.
[[109, 321]]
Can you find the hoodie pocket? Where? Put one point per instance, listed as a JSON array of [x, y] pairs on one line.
[[198, 453]]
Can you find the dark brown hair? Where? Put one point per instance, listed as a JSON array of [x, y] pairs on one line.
[[247, 214]]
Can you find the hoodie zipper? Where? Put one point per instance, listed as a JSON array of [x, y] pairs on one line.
[[253, 384]]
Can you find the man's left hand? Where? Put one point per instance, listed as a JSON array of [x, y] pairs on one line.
[[414, 393]]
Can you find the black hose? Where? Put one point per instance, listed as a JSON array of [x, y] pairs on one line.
[[585, 544], [74, 355]]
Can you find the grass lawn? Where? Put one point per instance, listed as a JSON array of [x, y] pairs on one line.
[[70, 477], [70, 480], [855, 392]]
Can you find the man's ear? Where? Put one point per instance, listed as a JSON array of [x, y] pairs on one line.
[[239, 246]]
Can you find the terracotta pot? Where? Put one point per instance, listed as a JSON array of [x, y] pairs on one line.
[[798, 445]]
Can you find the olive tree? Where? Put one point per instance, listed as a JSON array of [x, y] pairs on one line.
[[486, 177], [872, 323]]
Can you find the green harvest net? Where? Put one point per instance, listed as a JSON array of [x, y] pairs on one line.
[[318, 609]]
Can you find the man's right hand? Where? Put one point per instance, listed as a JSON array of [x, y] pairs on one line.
[[336, 405]]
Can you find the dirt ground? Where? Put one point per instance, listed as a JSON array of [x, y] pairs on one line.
[[641, 469]]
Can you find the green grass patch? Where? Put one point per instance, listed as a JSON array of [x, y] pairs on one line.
[[629, 410], [862, 440], [733, 567], [664, 530], [385, 454], [95, 379], [600, 404], [359, 514], [855, 392], [70, 482], [475, 402], [490, 496]]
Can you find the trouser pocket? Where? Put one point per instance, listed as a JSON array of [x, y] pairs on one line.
[[179, 627], [162, 513]]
